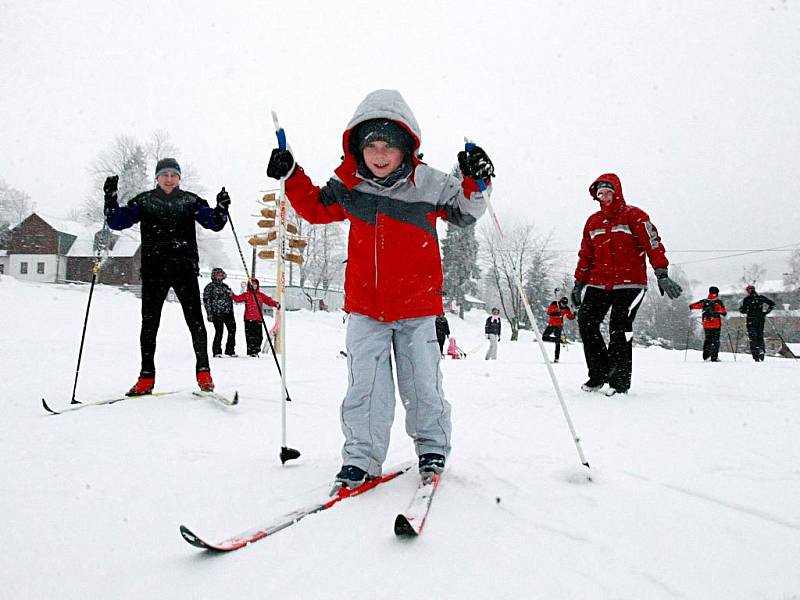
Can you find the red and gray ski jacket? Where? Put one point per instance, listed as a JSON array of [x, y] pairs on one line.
[[394, 269], [556, 315], [616, 240]]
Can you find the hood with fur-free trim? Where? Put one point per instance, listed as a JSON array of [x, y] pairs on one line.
[[380, 104], [619, 198]]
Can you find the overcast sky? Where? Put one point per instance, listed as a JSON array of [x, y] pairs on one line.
[[693, 104]]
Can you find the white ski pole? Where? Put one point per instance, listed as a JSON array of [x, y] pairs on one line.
[[469, 146]]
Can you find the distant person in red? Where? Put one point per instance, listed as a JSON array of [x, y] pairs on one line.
[[713, 311], [253, 315], [555, 323], [612, 273]]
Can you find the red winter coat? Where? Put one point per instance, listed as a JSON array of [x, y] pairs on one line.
[[615, 241], [252, 312], [557, 315], [719, 308], [394, 269]]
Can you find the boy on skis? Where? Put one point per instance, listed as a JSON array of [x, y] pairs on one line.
[[219, 308], [713, 311], [254, 301], [612, 273], [393, 287], [555, 323], [167, 215]]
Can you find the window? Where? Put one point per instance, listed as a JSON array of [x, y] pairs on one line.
[[40, 268], [23, 268]]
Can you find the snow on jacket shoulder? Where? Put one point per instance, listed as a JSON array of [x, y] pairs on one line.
[[394, 269], [615, 241]]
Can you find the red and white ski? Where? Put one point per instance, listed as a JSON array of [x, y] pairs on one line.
[[81, 405], [411, 522], [253, 535]]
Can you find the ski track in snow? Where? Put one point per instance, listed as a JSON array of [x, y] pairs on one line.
[[693, 494]]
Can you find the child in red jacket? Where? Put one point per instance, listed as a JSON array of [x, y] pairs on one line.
[[253, 315], [713, 311], [556, 313], [393, 282]]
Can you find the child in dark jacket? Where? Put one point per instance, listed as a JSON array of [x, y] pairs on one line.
[[253, 307]]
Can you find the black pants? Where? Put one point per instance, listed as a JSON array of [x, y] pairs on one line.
[[441, 344], [220, 323], [612, 364], [552, 333], [755, 331], [254, 334], [154, 291], [711, 344]]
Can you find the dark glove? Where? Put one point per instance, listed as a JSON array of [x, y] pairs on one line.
[[277, 305], [110, 186], [475, 164], [281, 163], [768, 309], [223, 200], [576, 294], [666, 285]]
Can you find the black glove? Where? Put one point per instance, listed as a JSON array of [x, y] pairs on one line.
[[281, 163], [475, 164], [110, 186], [223, 200], [577, 288], [666, 285]]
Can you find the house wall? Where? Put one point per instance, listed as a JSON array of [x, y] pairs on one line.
[[51, 264]]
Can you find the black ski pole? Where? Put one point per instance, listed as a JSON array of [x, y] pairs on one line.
[[255, 296], [688, 332], [95, 271], [730, 342]]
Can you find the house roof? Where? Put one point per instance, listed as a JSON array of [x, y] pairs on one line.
[[770, 286], [126, 246]]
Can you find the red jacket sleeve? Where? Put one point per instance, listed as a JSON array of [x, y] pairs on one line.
[[696, 305], [720, 308], [310, 202], [239, 297], [647, 236], [569, 314], [585, 256], [267, 300]]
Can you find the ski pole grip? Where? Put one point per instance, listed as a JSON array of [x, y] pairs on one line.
[[469, 147], [281, 135]]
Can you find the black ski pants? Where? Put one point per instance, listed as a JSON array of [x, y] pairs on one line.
[[441, 340], [155, 287], [220, 323], [614, 363], [711, 344], [755, 331], [254, 335], [552, 333]]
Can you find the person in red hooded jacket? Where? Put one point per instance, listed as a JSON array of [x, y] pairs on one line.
[[555, 322], [713, 311], [393, 282], [612, 273], [254, 301]]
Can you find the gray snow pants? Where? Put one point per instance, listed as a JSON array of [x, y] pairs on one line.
[[491, 353], [367, 411]]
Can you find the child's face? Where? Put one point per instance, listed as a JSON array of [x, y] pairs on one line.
[[381, 158]]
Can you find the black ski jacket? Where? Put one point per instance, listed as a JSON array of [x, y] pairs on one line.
[[217, 299], [169, 241], [756, 307], [493, 326], [442, 328]]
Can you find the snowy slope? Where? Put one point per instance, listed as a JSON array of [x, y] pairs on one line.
[[695, 491]]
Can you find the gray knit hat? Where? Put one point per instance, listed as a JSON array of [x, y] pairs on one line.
[[168, 165], [383, 130]]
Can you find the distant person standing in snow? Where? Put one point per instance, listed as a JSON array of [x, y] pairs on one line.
[[713, 311], [253, 314], [167, 217], [219, 308], [393, 284], [442, 331], [492, 329], [555, 323], [756, 307], [612, 273]]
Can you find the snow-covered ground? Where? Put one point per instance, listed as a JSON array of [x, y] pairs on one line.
[[696, 490]]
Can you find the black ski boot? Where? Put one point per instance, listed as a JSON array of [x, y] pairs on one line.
[[430, 464], [349, 477], [593, 385]]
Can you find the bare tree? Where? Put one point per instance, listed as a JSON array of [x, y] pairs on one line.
[[15, 205], [520, 251], [664, 322], [752, 274], [325, 257]]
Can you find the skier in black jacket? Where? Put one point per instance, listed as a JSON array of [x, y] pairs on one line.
[[442, 331], [167, 215], [219, 308], [756, 307]]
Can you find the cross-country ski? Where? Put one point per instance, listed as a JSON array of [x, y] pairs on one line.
[[411, 522]]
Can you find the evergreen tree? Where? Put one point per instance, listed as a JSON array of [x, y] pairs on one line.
[[460, 264]]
